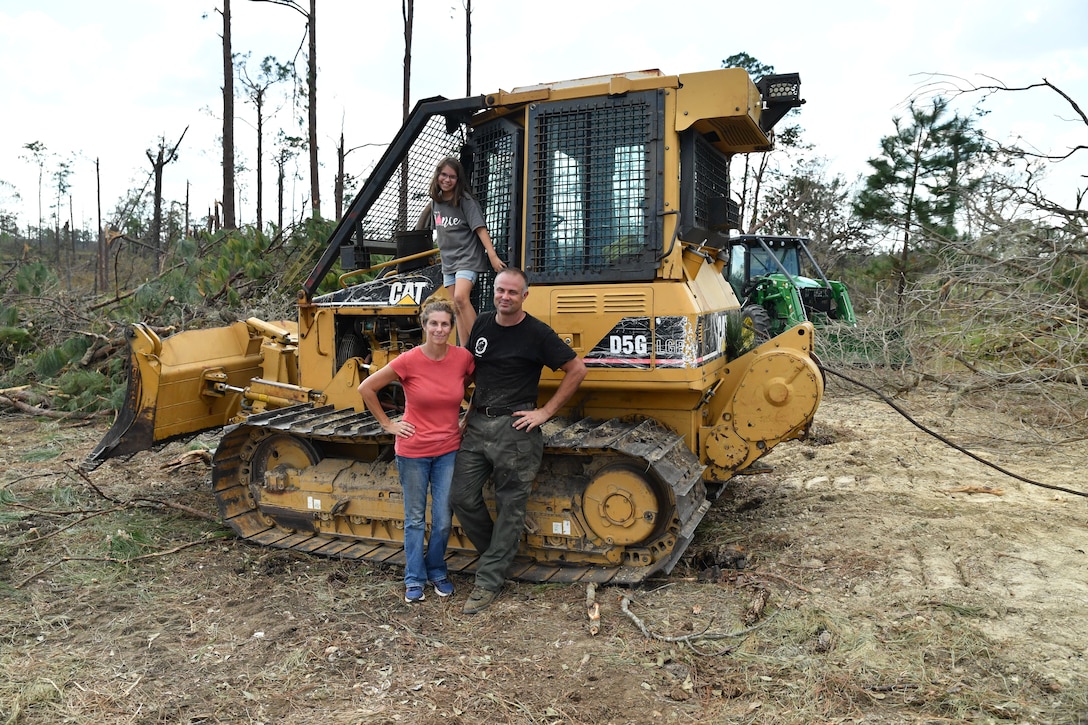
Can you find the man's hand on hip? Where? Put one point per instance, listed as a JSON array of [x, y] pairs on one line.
[[526, 420]]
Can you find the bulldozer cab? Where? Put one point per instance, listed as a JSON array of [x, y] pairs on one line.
[[578, 180]]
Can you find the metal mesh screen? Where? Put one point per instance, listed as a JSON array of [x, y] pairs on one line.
[[711, 179], [592, 184], [402, 199], [494, 181], [496, 148]]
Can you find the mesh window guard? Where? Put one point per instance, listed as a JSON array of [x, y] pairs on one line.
[[404, 196], [594, 197], [496, 153]]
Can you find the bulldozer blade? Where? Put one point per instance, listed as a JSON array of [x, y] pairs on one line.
[[132, 429], [170, 390]]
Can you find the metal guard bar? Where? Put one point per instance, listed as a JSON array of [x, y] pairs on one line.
[[385, 169]]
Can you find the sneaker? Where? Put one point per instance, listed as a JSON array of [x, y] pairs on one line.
[[478, 600], [443, 587], [413, 594]]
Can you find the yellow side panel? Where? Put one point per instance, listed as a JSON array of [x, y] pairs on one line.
[[317, 350], [724, 105], [173, 379]]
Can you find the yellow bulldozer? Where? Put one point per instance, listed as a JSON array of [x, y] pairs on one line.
[[612, 192]]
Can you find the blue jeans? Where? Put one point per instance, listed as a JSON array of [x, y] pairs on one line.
[[449, 280], [416, 476]]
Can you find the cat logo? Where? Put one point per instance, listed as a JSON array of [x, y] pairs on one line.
[[406, 293]]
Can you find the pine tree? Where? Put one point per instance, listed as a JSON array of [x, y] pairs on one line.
[[916, 182]]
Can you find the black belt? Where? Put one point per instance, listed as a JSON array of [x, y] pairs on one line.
[[493, 412]]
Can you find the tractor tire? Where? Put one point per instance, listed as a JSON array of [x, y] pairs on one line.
[[756, 318]]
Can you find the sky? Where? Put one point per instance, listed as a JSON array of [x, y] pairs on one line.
[[108, 79]]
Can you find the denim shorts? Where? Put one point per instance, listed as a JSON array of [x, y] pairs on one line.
[[448, 280]]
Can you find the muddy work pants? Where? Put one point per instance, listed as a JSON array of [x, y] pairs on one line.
[[493, 448]]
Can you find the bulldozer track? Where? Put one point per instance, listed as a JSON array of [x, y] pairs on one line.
[[643, 445]]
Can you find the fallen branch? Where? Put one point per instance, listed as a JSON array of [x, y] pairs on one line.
[[57, 414], [83, 519], [144, 501], [16, 389], [188, 458], [179, 507], [101, 352], [625, 603]]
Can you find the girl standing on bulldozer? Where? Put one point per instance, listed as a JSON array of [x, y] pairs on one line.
[[463, 240]]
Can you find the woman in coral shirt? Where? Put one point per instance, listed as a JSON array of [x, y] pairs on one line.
[[434, 376]]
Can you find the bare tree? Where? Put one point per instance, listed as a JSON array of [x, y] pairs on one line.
[[468, 48], [229, 218], [38, 156], [288, 149], [342, 177], [271, 72], [338, 185], [311, 92], [955, 86], [408, 12], [101, 277], [61, 186], [158, 163]]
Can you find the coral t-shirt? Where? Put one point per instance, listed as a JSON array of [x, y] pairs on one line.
[[433, 391]]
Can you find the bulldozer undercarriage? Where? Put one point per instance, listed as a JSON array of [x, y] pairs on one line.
[[614, 501]]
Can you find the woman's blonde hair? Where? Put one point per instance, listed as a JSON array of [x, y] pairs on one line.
[[436, 306]]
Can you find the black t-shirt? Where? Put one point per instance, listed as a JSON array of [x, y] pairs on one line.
[[509, 359]]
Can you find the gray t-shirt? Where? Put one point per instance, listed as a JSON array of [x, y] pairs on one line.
[[458, 242]]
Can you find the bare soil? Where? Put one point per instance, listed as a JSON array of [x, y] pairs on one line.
[[883, 578]]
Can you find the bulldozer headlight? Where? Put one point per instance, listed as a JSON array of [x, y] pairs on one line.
[[781, 88]]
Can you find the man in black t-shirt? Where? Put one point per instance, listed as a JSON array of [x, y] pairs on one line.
[[502, 439]]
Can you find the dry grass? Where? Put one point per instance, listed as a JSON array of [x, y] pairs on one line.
[[865, 620]]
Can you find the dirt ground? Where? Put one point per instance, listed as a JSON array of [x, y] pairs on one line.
[[886, 578]]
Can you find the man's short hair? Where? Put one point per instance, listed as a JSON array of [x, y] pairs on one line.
[[519, 272]]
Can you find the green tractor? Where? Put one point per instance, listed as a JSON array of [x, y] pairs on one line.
[[765, 273]]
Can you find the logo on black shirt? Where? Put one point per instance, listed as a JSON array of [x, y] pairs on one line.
[[481, 346]]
